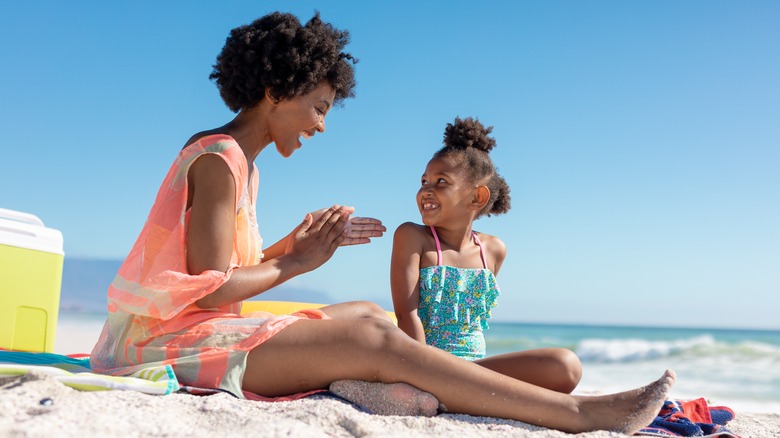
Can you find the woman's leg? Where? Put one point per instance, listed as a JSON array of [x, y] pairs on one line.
[[354, 310], [312, 354], [377, 397], [557, 369]]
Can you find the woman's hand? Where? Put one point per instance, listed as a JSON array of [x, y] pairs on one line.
[[360, 230], [317, 238]]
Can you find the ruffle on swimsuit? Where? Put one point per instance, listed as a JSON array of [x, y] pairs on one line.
[[455, 305], [456, 296]]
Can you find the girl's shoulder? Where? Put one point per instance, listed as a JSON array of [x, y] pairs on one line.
[[411, 230], [492, 244], [411, 234]]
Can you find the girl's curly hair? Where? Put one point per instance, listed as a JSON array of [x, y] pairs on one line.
[[277, 53], [467, 142]]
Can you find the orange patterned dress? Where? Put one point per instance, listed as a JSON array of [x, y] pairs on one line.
[[152, 316]]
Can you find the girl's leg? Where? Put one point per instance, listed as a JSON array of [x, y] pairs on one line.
[[557, 369], [312, 354]]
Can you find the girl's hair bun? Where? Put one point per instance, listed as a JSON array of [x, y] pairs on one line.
[[468, 133]]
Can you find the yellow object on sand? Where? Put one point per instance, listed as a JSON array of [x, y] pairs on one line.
[[287, 307], [31, 261]]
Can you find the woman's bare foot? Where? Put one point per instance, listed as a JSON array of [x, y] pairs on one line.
[[629, 411], [387, 398]]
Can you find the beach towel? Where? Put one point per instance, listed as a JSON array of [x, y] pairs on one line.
[[76, 373], [690, 418]]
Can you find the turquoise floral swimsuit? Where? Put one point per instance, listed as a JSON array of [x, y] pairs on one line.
[[455, 304]]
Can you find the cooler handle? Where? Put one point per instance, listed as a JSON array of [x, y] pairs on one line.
[[20, 217]]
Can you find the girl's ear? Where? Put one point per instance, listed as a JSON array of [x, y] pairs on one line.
[[481, 198]]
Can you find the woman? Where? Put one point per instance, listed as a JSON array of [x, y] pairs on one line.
[[176, 299]]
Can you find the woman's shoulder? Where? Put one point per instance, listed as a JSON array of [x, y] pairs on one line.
[[211, 137], [211, 142], [214, 152]]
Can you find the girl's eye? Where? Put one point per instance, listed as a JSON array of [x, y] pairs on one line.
[[423, 182], [441, 180]]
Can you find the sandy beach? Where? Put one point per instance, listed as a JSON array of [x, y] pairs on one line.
[[36, 405]]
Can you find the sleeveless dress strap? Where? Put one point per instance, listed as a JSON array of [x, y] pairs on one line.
[[476, 240], [438, 246], [481, 249]]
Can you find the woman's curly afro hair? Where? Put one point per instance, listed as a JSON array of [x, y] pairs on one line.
[[468, 143], [277, 53]]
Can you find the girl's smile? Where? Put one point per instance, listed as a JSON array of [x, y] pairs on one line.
[[444, 193]]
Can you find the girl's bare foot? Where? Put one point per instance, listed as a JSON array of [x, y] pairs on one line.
[[387, 398], [629, 411]]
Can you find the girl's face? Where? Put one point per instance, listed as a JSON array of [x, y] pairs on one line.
[[445, 194], [302, 116]]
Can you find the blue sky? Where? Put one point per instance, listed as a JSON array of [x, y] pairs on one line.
[[641, 140]]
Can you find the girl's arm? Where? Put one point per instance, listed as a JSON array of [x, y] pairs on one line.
[[404, 279], [211, 232], [498, 253]]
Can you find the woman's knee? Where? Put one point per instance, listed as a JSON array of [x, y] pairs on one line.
[[367, 309], [356, 310], [378, 335]]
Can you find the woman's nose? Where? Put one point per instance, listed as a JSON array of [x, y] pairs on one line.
[[320, 126]]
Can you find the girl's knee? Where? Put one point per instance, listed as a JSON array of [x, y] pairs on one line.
[[571, 369]]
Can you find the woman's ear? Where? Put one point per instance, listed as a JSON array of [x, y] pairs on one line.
[[481, 198], [273, 100]]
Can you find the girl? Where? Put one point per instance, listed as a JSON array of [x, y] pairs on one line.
[[176, 299], [443, 272]]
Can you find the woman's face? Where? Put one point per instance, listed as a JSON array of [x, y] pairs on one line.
[[298, 117]]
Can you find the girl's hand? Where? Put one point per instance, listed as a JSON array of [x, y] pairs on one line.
[[360, 230], [316, 239]]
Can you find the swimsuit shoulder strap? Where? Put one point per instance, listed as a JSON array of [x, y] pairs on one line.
[[438, 245], [481, 249]]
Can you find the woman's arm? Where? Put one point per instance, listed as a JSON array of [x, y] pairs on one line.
[[404, 279], [211, 233], [360, 230]]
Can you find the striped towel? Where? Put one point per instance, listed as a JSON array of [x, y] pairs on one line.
[[76, 373]]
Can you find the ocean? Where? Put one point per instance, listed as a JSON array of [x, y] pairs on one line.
[[735, 368]]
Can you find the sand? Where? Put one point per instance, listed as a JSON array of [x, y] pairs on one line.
[[36, 405]]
